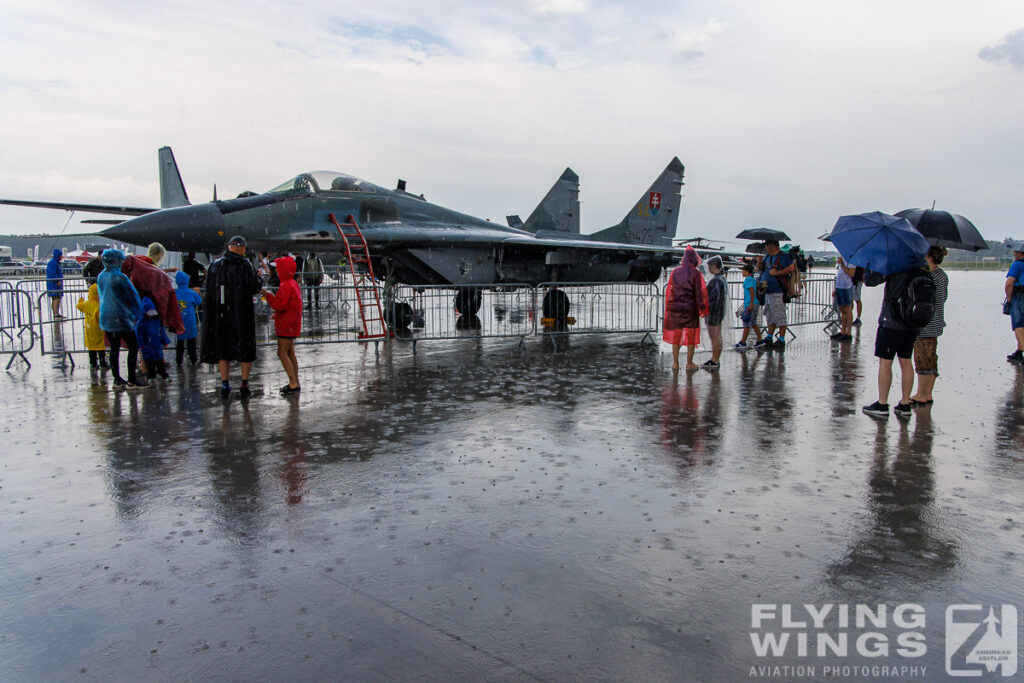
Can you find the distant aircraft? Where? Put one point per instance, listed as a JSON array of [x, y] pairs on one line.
[[411, 240]]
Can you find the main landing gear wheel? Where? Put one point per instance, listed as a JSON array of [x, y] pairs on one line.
[[399, 315], [467, 301], [556, 305]]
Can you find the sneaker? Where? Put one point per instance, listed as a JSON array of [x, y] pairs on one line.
[[120, 383], [288, 391], [137, 384], [244, 393], [763, 344], [165, 378], [741, 346], [902, 411], [779, 345], [857, 323], [876, 409], [225, 392], [711, 365], [838, 336], [1016, 357]]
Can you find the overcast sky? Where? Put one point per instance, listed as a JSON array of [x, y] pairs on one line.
[[786, 113]]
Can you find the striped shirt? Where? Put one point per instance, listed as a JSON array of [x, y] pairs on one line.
[[935, 325]]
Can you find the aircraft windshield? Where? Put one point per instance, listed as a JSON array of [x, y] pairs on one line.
[[319, 181]]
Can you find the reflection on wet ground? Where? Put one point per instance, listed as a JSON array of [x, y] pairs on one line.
[[479, 511]]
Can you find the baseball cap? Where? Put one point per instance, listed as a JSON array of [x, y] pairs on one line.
[[237, 241]]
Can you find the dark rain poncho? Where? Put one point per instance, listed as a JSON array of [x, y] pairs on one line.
[[229, 321]]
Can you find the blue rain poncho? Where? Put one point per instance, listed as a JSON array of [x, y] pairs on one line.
[[119, 301], [188, 301], [150, 332], [55, 275]]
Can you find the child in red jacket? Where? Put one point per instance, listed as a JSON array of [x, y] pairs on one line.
[[287, 305]]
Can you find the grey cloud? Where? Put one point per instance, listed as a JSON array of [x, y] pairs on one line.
[[1010, 51]]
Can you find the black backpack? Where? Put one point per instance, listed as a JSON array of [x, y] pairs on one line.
[[858, 276], [916, 305]]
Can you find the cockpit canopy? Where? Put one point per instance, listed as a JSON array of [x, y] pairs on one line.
[[322, 181]]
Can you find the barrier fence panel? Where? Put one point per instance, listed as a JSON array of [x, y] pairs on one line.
[[17, 333], [598, 307], [330, 315], [63, 333], [438, 312], [814, 306]]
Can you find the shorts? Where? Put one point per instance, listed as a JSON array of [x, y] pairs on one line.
[[844, 297], [890, 343], [775, 309], [926, 360], [1017, 312], [752, 317], [857, 288], [284, 336]]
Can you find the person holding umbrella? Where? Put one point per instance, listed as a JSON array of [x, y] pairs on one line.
[[1014, 290], [777, 265], [892, 251]]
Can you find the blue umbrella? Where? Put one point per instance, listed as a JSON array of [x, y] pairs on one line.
[[879, 242]]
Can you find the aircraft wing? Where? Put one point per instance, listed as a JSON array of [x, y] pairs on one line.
[[549, 242], [91, 208]]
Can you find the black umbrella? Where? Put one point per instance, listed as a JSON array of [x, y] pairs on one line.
[[766, 234], [945, 229]]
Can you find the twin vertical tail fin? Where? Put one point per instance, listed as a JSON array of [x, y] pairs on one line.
[[172, 190], [653, 220], [559, 211]]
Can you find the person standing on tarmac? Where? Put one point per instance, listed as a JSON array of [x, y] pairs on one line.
[[195, 270], [55, 282], [120, 305], [312, 277], [229, 323], [287, 305]]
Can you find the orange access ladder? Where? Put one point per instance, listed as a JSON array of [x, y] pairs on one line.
[[367, 296]]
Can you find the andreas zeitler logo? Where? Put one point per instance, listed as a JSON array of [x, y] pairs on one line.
[[981, 639]]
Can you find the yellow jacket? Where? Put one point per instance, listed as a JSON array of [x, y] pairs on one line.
[[94, 337]]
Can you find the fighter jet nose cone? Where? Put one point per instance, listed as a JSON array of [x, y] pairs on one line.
[[186, 228]]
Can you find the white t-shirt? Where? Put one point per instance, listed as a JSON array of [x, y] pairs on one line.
[[843, 281]]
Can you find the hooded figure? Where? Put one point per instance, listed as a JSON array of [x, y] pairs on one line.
[[188, 302], [55, 275], [152, 282], [119, 300], [287, 303], [95, 340], [150, 332], [229, 319], [686, 300], [119, 310]]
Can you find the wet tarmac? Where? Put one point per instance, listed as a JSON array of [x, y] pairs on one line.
[[483, 512]]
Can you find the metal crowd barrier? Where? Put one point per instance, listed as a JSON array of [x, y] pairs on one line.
[[599, 307], [63, 335], [17, 333], [814, 306], [332, 316], [437, 312]]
